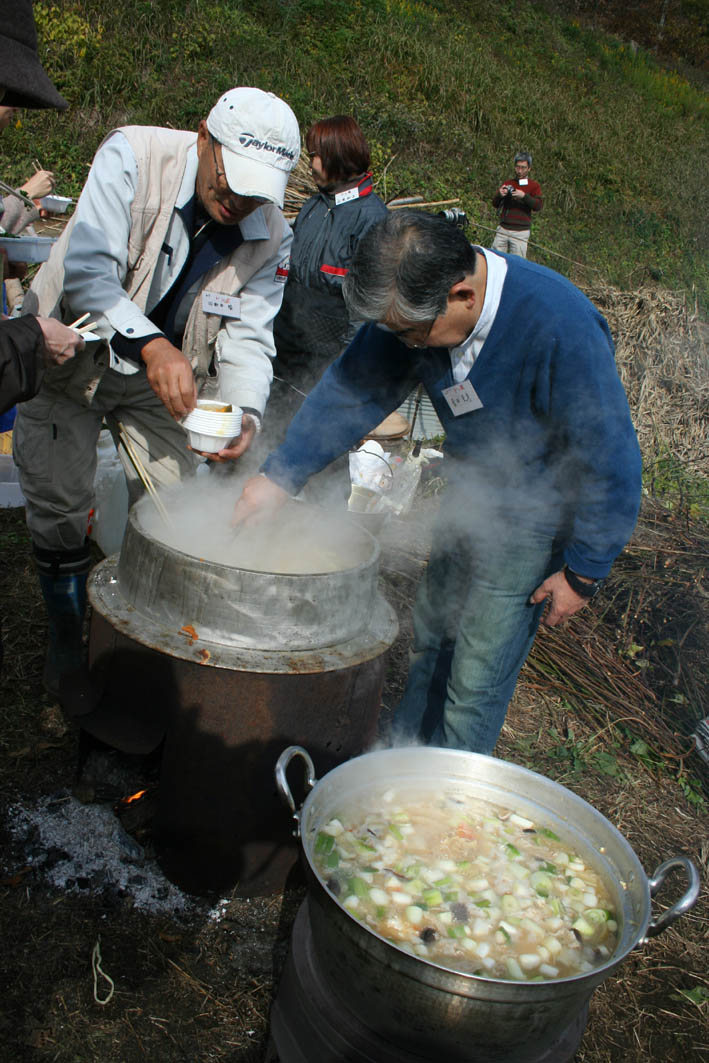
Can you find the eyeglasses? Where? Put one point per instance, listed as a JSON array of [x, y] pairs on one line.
[[412, 335], [219, 173]]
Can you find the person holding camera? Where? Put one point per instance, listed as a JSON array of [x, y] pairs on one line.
[[516, 200]]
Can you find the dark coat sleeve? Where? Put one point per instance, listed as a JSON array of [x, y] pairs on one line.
[[21, 360], [369, 380]]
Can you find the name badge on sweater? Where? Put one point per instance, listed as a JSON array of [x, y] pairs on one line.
[[462, 398], [345, 197], [224, 305], [523, 181]]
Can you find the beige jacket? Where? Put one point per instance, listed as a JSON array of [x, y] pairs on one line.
[[126, 245]]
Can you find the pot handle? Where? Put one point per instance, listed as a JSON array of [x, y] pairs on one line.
[[282, 766], [687, 901]]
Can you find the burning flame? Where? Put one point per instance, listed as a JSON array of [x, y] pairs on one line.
[[133, 797]]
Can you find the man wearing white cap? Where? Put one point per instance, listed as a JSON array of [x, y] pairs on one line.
[[178, 251]]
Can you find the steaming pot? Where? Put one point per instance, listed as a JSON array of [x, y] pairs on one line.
[[431, 1011], [241, 608]]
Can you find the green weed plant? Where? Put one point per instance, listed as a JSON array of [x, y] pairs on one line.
[[572, 756]]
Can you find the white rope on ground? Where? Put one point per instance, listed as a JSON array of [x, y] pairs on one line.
[[547, 250], [97, 969]]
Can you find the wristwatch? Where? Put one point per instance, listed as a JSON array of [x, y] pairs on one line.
[[255, 417], [582, 587]]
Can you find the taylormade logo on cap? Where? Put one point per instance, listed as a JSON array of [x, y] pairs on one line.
[[248, 140], [260, 141]]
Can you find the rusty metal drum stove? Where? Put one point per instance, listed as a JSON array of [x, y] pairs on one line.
[[226, 666]]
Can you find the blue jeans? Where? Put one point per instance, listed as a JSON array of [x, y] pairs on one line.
[[473, 628]]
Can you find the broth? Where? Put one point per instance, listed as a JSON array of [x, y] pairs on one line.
[[468, 885], [298, 540]]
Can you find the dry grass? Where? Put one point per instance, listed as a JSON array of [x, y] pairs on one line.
[[661, 351], [634, 663]]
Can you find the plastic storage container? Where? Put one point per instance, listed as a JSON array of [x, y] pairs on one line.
[[56, 204], [27, 248], [10, 491]]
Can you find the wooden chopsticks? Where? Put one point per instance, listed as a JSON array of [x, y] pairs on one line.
[[143, 473], [84, 328], [79, 320]]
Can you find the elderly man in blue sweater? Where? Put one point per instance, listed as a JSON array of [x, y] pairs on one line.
[[542, 463]]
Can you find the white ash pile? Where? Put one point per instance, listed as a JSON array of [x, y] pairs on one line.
[[75, 842]]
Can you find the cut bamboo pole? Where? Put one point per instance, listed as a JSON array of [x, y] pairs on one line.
[[404, 201], [143, 473], [438, 203]]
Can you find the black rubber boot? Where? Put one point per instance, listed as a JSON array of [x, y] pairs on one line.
[[62, 577]]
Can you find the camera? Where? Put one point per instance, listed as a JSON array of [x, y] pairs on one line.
[[457, 217]]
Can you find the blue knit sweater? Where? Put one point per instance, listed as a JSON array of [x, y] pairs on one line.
[[553, 446]]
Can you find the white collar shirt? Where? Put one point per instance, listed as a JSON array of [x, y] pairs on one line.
[[463, 357]]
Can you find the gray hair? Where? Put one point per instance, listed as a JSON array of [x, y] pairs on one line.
[[404, 268], [524, 156]]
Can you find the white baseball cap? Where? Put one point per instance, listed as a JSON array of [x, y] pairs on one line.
[[260, 141]]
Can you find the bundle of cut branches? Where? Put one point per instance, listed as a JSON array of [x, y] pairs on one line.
[[638, 655], [299, 188]]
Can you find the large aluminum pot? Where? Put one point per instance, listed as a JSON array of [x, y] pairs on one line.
[[251, 608], [432, 1010]]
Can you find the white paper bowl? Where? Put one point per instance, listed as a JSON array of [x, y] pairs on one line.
[[210, 422], [213, 421], [209, 444]]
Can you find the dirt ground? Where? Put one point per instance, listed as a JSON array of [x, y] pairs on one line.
[[193, 979]]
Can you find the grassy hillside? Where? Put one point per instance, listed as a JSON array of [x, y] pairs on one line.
[[446, 92], [676, 30]]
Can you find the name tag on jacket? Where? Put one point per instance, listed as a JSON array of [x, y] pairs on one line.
[[462, 398], [345, 197], [224, 305]]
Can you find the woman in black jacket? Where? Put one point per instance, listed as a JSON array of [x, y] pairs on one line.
[[313, 326]]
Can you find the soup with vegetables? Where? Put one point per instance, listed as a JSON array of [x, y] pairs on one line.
[[468, 885]]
